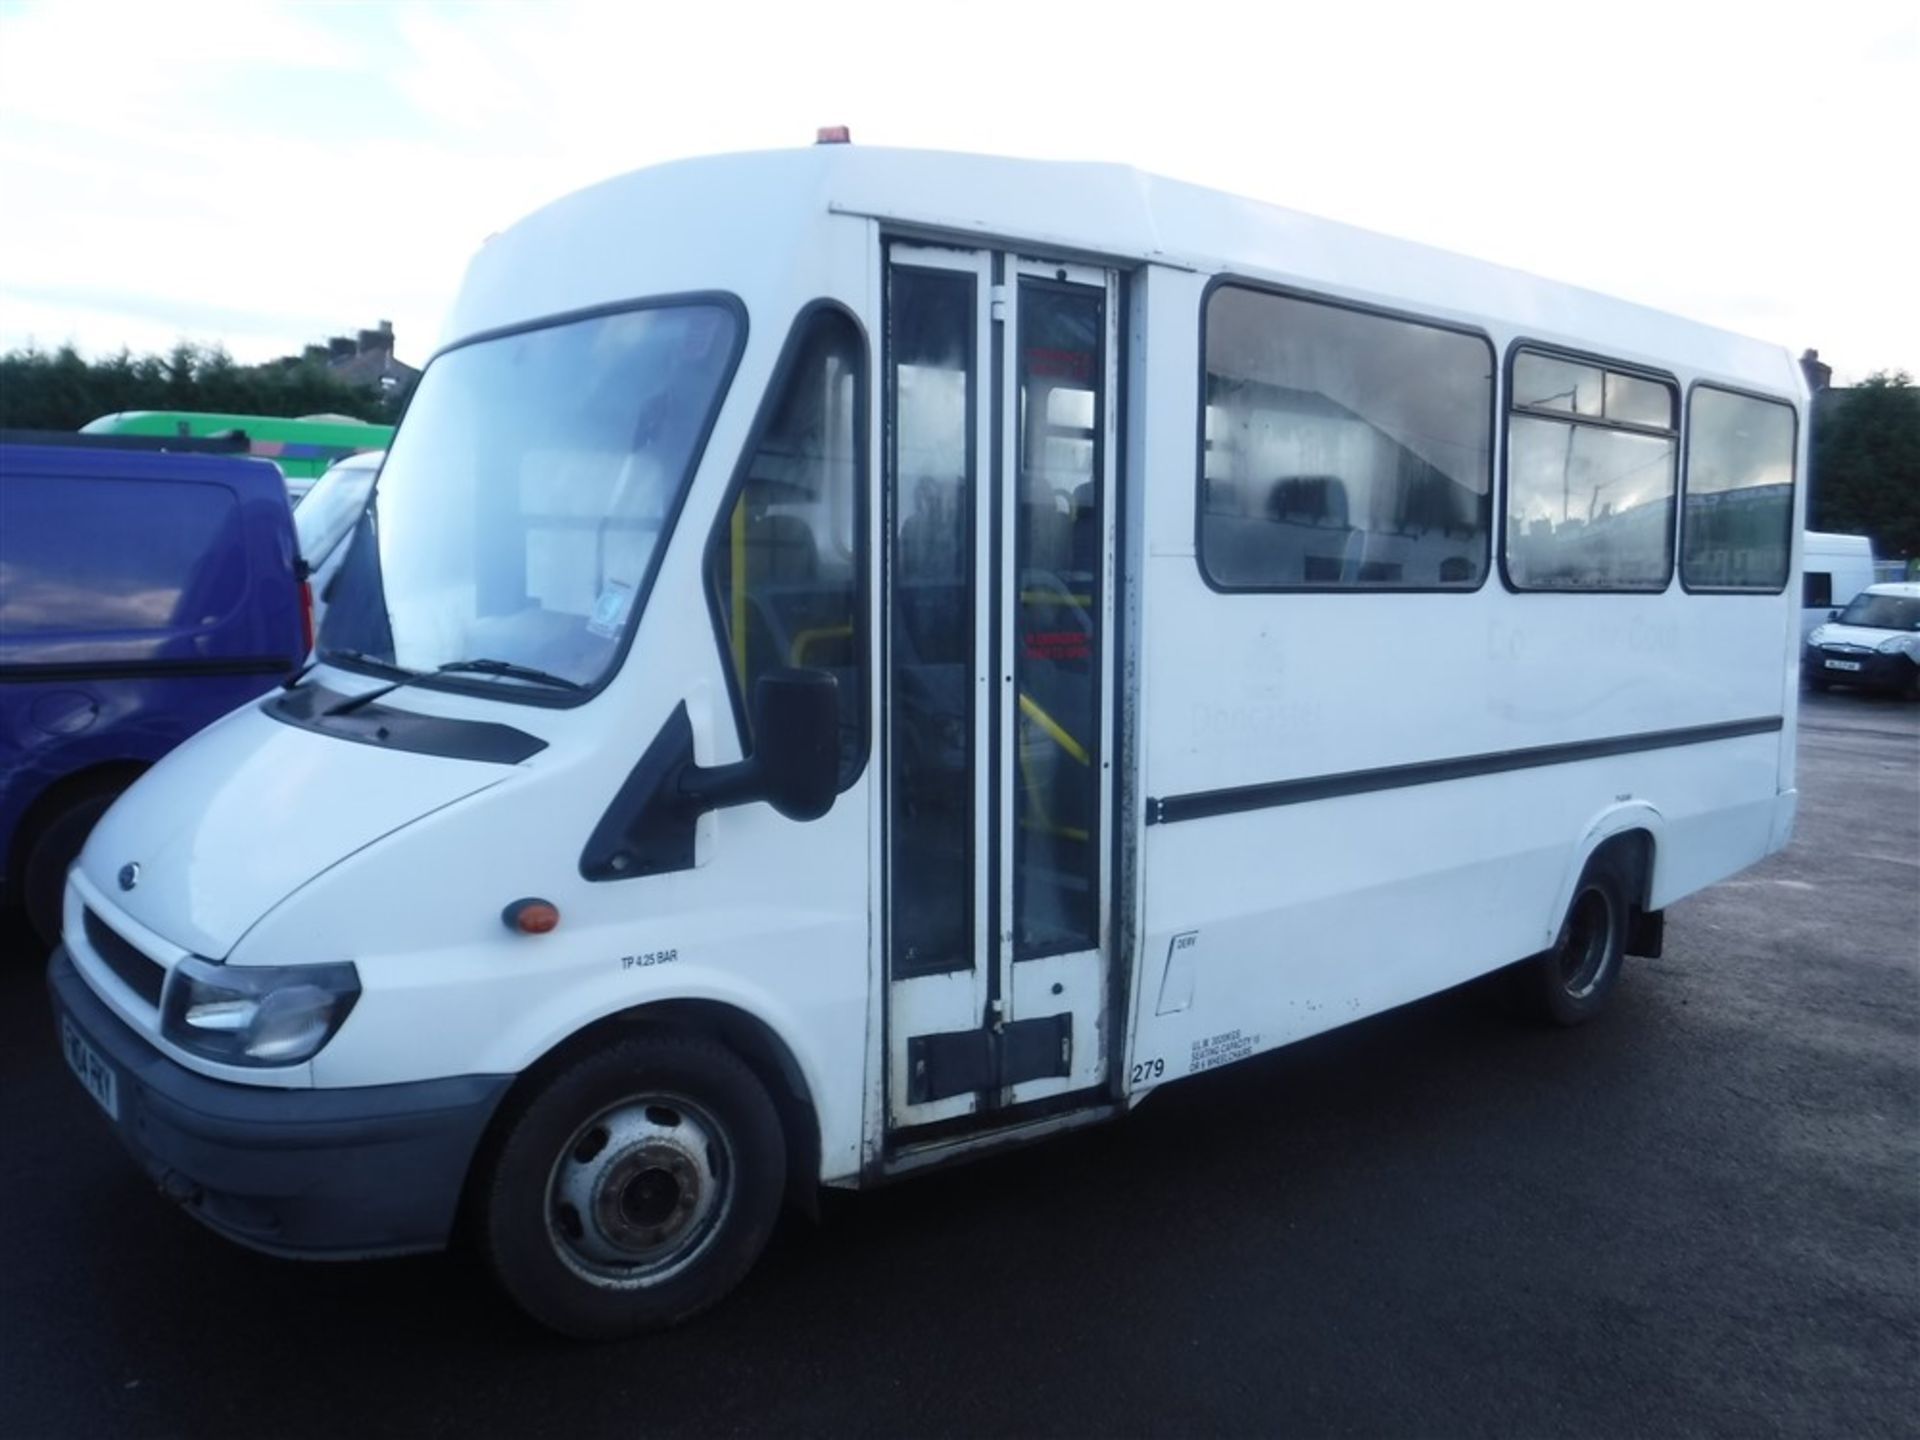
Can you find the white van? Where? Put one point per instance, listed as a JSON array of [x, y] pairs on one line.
[[1874, 643], [1834, 569], [327, 521], [873, 656]]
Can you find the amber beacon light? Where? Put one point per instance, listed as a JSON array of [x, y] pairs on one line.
[[531, 916], [833, 135]]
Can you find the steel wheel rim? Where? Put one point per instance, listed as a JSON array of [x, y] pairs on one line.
[[1587, 943], [639, 1191]]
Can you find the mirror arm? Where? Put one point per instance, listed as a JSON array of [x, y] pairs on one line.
[[714, 787], [651, 826]]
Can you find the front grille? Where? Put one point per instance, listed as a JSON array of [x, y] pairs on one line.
[[140, 973]]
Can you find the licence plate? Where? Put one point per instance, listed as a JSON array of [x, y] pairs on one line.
[[1843, 664], [93, 1072]]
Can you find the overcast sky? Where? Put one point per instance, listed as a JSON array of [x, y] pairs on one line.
[[264, 176]]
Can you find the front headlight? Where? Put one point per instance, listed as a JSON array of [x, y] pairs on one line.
[[1893, 645], [256, 1014]]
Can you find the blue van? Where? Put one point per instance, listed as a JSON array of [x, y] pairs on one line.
[[142, 595]]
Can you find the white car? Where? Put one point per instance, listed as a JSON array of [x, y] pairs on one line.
[[326, 519], [1874, 642]]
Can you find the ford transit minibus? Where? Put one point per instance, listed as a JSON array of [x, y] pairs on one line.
[[857, 658]]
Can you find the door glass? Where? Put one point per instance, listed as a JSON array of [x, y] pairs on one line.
[[786, 571], [1057, 555], [931, 533]]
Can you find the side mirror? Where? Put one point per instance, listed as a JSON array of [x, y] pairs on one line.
[[649, 828], [1833, 614], [796, 741], [795, 764]]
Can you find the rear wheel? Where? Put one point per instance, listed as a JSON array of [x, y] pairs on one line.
[[635, 1187], [43, 880], [1569, 984]]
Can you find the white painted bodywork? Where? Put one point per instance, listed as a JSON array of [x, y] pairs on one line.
[[265, 844]]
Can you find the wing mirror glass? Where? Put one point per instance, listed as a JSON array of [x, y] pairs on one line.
[[796, 741]]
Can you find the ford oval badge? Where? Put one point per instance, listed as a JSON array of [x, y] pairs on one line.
[[129, 875]]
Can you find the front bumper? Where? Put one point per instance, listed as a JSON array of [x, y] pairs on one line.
[[1880, 672], [335, 1174]]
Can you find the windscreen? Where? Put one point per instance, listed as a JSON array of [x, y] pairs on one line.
[[521, 504], [1882, 612]]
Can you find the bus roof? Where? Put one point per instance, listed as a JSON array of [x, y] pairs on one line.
[[705, 224], [320, 429]]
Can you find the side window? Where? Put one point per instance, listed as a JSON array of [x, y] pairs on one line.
[[1341, 450], [1737, 525], [118, 556], [1817, 590], [1590, 477], [786, 569]]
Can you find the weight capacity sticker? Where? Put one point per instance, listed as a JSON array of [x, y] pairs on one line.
[[646, 959], [1222, 1049]]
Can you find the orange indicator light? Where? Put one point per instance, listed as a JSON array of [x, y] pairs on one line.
[[531, 916]]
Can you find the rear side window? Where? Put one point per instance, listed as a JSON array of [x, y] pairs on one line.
[[786, 569], [116, 556], [1816, 588], [1591, 455], [1342, 450], [1737, 525]]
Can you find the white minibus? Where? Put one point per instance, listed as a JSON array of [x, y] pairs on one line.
[[863, 657]]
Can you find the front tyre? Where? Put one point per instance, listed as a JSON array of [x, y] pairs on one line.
[[635, 1187], [1569, 984]]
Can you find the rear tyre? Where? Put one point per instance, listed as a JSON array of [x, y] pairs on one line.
[[1569, 984], [634, 1188], [43, 880]]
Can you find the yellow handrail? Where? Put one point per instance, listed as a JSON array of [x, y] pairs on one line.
[[1030, 708], [1054, 597], [797, 652], [1042, 821]]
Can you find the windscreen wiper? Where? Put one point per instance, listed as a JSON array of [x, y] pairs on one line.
[[292, 682], [510, 670], [458, 667]]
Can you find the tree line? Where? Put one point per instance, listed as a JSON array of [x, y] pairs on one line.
[[1866, 439], [1866, 463], [62, 390]]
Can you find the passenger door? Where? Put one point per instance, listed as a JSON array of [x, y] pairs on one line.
[[999, 472]]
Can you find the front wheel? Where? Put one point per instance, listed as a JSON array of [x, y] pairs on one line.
[[635, 1187], [1570, 983]]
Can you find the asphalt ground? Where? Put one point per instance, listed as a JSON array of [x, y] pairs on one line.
[[1700, 1215]]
